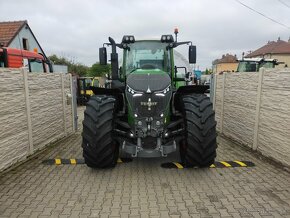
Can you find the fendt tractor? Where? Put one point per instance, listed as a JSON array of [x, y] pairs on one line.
[[148, 111]]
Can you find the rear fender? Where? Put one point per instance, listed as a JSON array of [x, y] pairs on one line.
[[200, 89]]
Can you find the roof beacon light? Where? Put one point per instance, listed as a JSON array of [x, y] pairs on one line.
[[167, 38], [128, 39], [176, 30]]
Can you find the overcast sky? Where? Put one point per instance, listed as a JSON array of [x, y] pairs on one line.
[[77, 28]]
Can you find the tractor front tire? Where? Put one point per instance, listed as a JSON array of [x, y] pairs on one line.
[[100, 150], [198, 149]]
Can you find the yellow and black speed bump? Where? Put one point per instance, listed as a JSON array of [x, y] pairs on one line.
[[217, 164], [58, 161]]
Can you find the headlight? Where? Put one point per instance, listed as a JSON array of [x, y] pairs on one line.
[[129, 89], [166, 90], [163, 92], [133, 92]]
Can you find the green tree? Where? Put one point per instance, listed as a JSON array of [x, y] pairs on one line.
[[59, 60], [99, 70], [77, 68], [207, 71]]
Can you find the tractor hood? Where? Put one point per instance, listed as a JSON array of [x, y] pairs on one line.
[[148, 81], [148, 93]]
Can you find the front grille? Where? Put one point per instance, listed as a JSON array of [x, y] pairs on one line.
[[149, 105]]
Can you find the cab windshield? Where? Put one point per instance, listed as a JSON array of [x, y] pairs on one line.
[[147, 55], [248, 66]]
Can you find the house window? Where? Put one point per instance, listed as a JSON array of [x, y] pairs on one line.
[[25, 44]]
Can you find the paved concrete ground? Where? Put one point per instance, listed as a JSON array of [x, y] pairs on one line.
[[143, 189]]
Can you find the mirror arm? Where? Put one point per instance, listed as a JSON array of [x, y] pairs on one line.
[[175, 44], [182, 43], [121, 46], [107, 44]]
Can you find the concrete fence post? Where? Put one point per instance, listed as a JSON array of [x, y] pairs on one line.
[[30, 149], [214, 77], [222, 101], [63, 104], [258, 106], [73, 103]]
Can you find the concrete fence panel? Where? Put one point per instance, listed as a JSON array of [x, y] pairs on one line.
[[14, 144], [45, 95], [274, 125], [239, 106], [35, 111], [255, 110], [218, 101]]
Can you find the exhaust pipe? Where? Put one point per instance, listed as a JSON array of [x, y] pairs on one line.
[[114, 60]]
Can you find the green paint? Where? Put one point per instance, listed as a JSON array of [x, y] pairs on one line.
[[172, 66], [131, 119]]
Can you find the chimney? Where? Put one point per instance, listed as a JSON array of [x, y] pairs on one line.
[[278, 39], [289, 40]]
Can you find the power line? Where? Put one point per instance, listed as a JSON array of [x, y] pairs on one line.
[[284, 3], [269, 18]]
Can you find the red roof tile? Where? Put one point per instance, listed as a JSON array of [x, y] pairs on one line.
[[8, 31], [279, 47], [228, 58]]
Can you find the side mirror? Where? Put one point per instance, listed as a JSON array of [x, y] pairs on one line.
[[192, 54], [103, 56]]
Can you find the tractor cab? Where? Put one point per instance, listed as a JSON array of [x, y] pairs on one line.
[[254, 64], [30, 60]]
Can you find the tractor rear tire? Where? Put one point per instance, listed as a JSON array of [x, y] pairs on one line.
[[198, 149], [100, 150]]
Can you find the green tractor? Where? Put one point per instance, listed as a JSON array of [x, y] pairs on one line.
[[148, 110]]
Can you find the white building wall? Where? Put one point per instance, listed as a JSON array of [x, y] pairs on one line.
[[25, 33]]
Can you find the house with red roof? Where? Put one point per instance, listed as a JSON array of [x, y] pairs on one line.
[[279, 50], [18, 34], [228, 63]]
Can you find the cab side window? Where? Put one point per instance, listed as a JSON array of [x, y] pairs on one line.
[[36, 66]]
